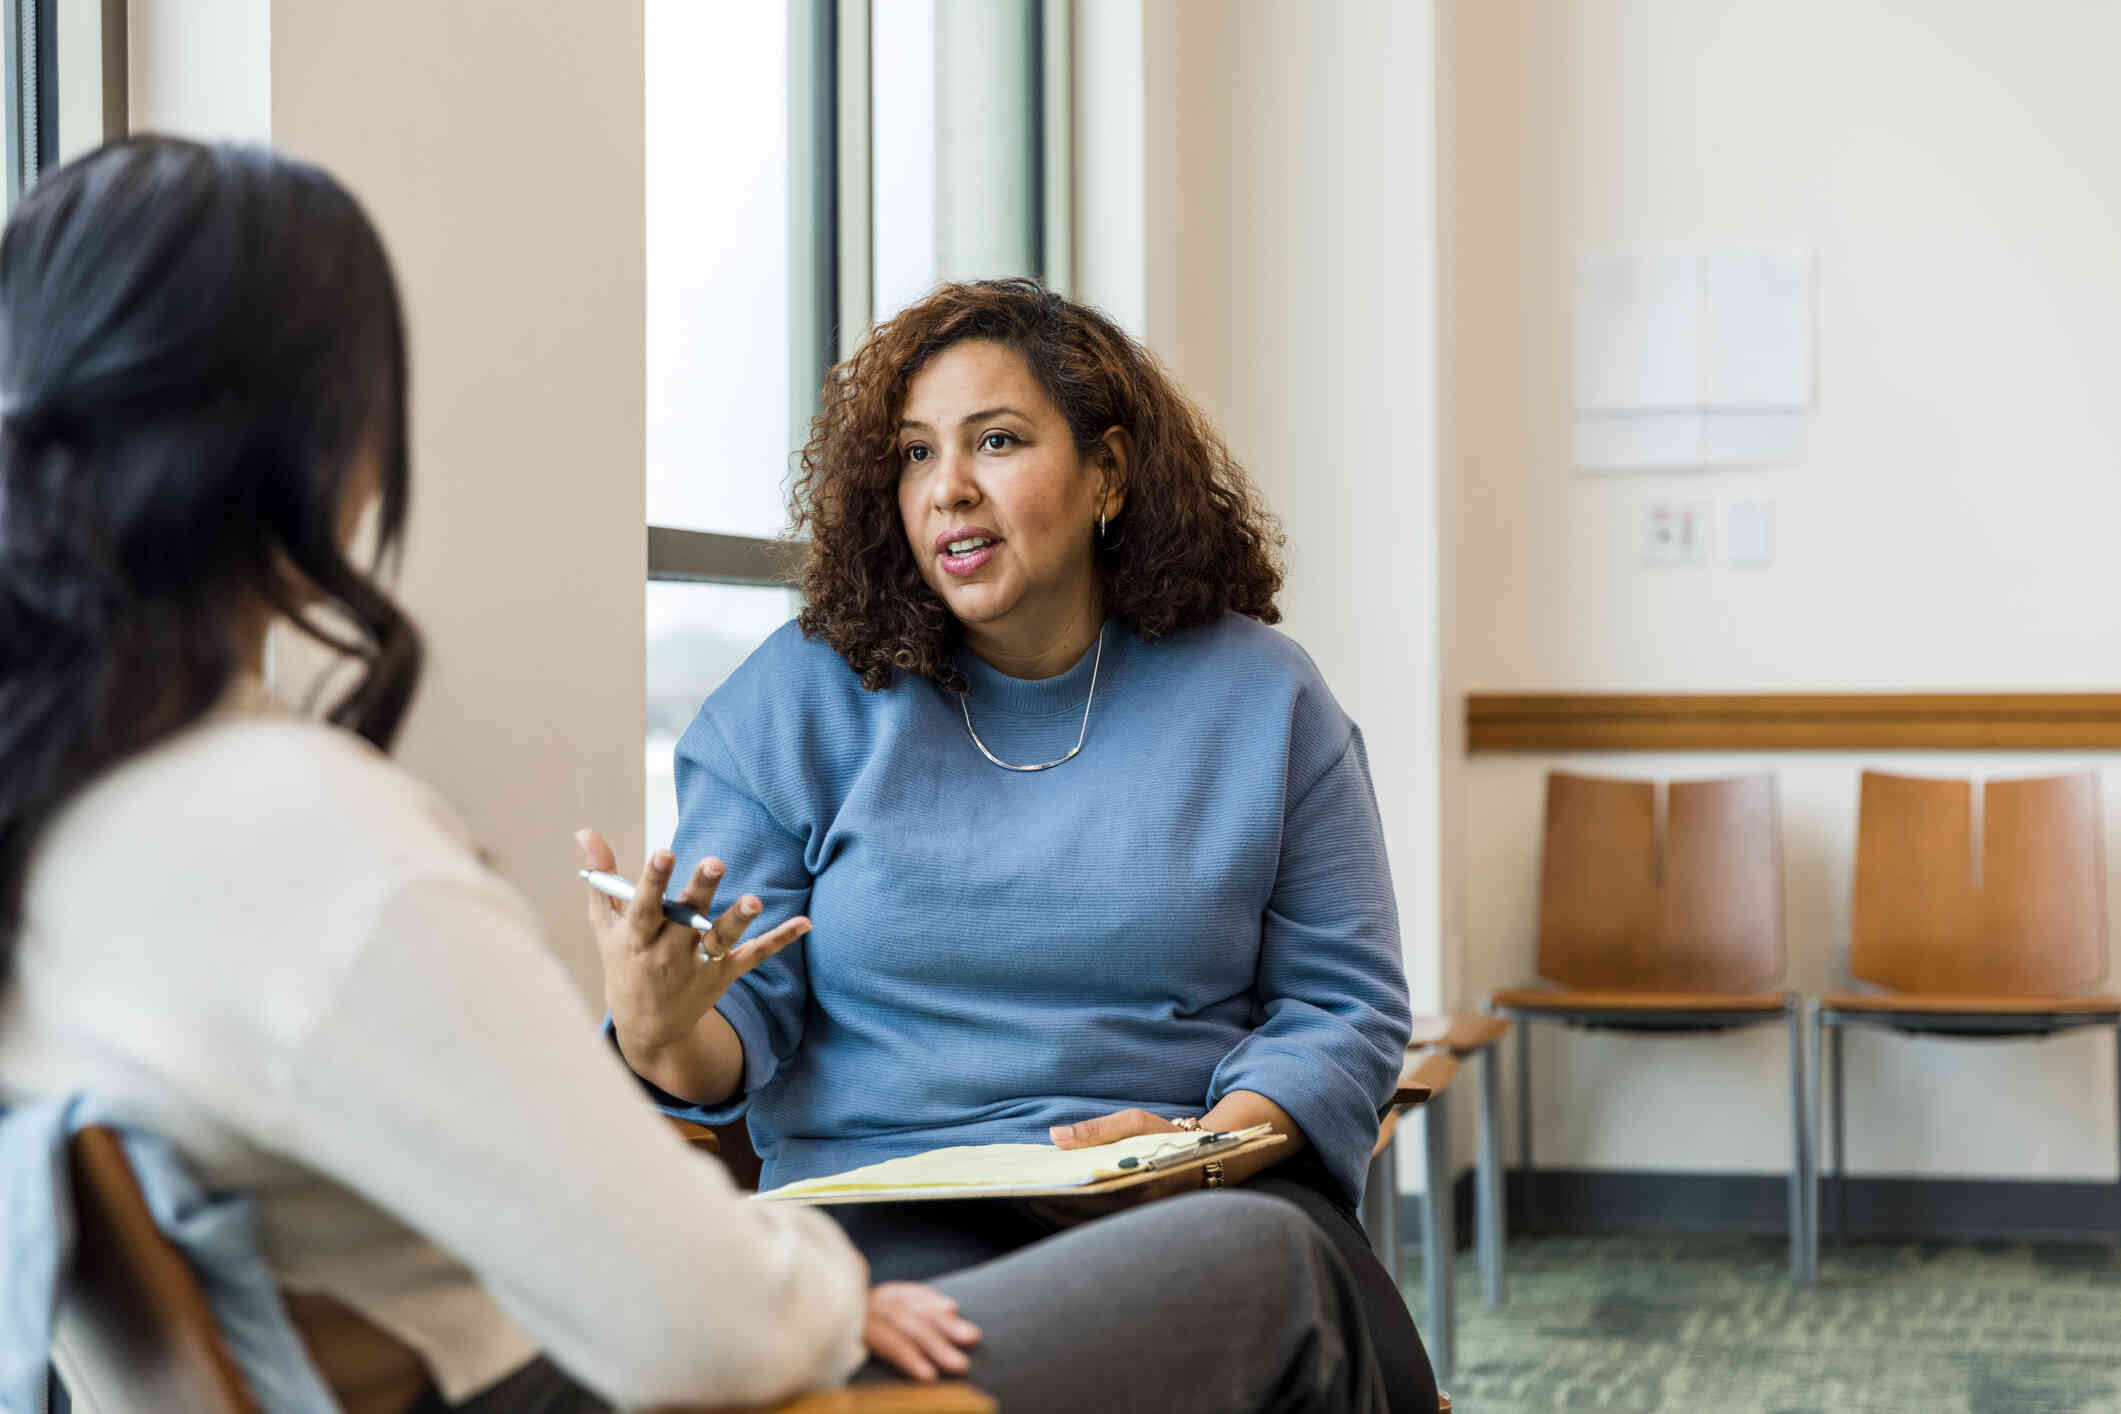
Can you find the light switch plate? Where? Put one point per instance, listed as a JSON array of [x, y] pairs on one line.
[[1675, 532], [1749, 540]]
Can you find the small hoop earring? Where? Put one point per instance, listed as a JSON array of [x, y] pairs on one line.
[[1100, 527]]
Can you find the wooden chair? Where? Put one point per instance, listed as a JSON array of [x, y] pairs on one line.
[[137, 1317], [1673, 936], [2009, 956]]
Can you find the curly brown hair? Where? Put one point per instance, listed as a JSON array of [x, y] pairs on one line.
[[1195, 542]]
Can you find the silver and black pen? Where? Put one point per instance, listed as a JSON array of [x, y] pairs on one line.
[[612, 886]]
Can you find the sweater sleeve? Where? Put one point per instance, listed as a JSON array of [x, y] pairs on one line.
[[719, 814], [536, 1163], [1331, 984]]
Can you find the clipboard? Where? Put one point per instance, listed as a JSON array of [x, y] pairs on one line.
[[953, 1173]]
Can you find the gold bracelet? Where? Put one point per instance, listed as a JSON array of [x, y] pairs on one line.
[[1187, 1122], [1211, 1174]]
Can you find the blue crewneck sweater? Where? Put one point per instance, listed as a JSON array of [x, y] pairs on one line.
[[1197, 903]]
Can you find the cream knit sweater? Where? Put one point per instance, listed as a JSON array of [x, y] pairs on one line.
[[270, 945]]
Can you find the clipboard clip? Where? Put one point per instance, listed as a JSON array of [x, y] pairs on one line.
[[1188, 1148]]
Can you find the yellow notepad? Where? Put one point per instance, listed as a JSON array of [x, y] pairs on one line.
[[1023, 1170]]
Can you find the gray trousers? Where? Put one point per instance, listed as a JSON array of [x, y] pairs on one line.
[[1211, 1303]]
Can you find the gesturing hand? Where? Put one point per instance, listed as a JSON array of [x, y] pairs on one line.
[[917, 1329], [660, 978]]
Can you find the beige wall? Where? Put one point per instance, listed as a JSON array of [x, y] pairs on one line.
[[500, 150], [1947, 526]]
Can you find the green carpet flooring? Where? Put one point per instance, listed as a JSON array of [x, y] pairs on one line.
[[1693, 1324]]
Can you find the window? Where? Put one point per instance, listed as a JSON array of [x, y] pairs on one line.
[[812, 165], [718, 166], [65, 80], [956, 155], [697, 635]]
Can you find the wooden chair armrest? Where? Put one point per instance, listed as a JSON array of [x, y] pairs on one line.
[[1472, 1031], [1422, 1076], [1407, 1096], [941, 1398], [1425, 1075], [699, 1136], [1434, 1072]]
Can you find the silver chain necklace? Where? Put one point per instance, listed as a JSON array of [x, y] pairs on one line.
[[963, 701]]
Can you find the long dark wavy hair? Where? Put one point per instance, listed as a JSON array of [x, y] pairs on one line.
[[199, 346], [1193, 543]]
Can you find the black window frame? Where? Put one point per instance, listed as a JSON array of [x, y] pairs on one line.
[[31, 38]]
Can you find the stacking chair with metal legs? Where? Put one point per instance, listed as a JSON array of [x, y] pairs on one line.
[[2007, 956], [1675, 935]]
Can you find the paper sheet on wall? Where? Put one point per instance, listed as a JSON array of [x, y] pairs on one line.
[[1756, 342], [1646, 441], [1692, 357], [1638, 333]]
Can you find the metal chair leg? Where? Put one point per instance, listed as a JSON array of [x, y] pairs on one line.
[[1439, 1233], [1490, 1178], [1799, 1160], [1818, 1085], [1839, 1098], [1524, 1118], [1380, 1212]]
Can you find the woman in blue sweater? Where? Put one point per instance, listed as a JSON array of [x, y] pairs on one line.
[[1078, 846]]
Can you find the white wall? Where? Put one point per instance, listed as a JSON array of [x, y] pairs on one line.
[[1947, 527], [1290, 256], [500, 152], [1255, 198], [202, 68], [1110, 216]]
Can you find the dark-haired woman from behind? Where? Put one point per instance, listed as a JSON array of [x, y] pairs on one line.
[[252, 934], [1088, 850]]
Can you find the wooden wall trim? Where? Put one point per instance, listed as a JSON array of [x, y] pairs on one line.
[[2020, 721]]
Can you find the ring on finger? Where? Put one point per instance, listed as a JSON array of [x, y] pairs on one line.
[[700, 951]]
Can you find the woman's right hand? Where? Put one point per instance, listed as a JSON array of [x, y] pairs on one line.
[[659, 979], [918, 1330]]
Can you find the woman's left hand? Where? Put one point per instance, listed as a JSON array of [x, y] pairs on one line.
[[1240, 1109], [1107, 1129]]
